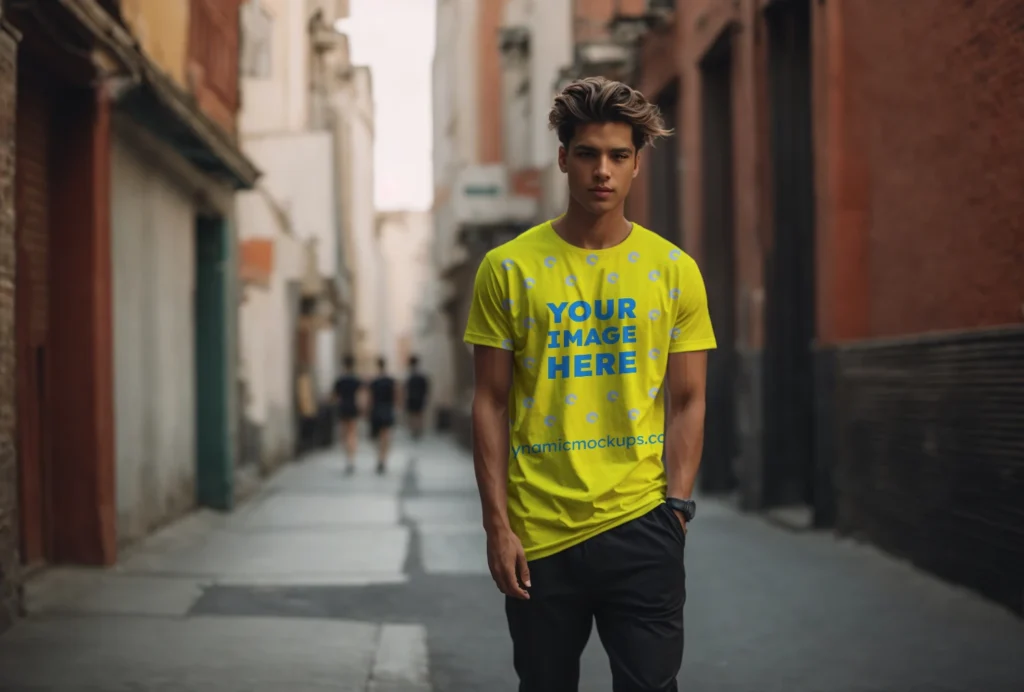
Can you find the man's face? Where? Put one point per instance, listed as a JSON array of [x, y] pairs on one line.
[[601, 163]]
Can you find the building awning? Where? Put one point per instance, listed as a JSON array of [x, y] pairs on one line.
[[160, 106], [151, 98]]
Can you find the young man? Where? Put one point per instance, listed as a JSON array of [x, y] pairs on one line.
[[416, 389], [346, 392], [382, 412], [583, 328]]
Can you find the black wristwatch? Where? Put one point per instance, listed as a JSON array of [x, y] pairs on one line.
[[688, 508]]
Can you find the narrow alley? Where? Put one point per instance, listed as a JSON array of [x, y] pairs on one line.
[[328, 582]]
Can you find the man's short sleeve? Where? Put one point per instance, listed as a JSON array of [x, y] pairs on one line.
[[692, 330], [489, 323]]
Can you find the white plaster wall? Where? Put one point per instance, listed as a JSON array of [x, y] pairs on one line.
[[551, 50], [515, 73], [456, 107], [405, 239], [443, 92], [366, 261], [299, 174], [153, 256], [280, 102], [266, 332]]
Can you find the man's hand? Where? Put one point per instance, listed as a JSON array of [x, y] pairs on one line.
[[507, 562], [681, 518]]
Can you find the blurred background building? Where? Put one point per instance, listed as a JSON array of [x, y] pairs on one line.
[[189, 245], [297, 282], [847, 175]]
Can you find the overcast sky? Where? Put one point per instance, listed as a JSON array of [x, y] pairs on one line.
[[396, 39]]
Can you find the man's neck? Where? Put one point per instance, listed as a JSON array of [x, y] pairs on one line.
[[583, 229]]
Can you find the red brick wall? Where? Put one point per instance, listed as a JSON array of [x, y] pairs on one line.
[[9, 521], [489, 123], [591, 17], [935, 92], [659, 58], [843, 294], [32, 220], [213, 58], [702, 21]]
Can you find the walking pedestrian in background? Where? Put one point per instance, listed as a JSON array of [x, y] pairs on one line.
[[383, 396], [417, 387], [346, 393]]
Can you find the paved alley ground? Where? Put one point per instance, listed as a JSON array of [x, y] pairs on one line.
[[363, 583]]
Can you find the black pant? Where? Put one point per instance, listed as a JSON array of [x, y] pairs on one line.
[[631, 580]]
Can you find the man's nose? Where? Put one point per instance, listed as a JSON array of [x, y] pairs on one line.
[[603, 170]]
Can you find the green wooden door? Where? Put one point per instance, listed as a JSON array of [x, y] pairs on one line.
[[214, 458]]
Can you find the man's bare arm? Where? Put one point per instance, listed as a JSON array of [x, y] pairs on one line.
[[493, 380], [687, 377]]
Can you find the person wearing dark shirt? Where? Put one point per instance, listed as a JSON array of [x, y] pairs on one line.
[[382, 412], [346, 393], [416, 389]]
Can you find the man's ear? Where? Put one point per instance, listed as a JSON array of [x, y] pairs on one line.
[[562, 155], [636, 164]]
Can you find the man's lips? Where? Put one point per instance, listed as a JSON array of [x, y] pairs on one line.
[[601, 191]]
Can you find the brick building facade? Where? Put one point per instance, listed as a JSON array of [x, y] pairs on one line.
[[923, 172], [64, 69], [9, 531], [848, 179]]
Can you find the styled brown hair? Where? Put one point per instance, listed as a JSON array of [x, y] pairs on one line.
[[601, 100]]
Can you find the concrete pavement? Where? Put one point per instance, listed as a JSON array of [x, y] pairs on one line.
[[328, 582]]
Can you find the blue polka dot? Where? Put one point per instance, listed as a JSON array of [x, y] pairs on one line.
[[549, 262], [592, 417], [528, 402], [508, 264], [507, 303], [676, 333], [654, 275], [529, 322], [654, 314], [506, 344], [634, 413], [653, 392], [570, 400], [570, 280], [634, 257], [654, 353], [549, 421], [591, 260], [674, 294], [675, 254], [529, 283], [529, 363], [613, 396], [613, 277]]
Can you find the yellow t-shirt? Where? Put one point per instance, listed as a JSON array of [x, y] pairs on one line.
[[591, 331]]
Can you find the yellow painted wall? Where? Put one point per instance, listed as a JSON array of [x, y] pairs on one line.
[[161, 26]]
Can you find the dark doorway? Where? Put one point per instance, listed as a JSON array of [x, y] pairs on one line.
[[33, 154], [214, 454], [789, 271], [664, 193], [720, 445]]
